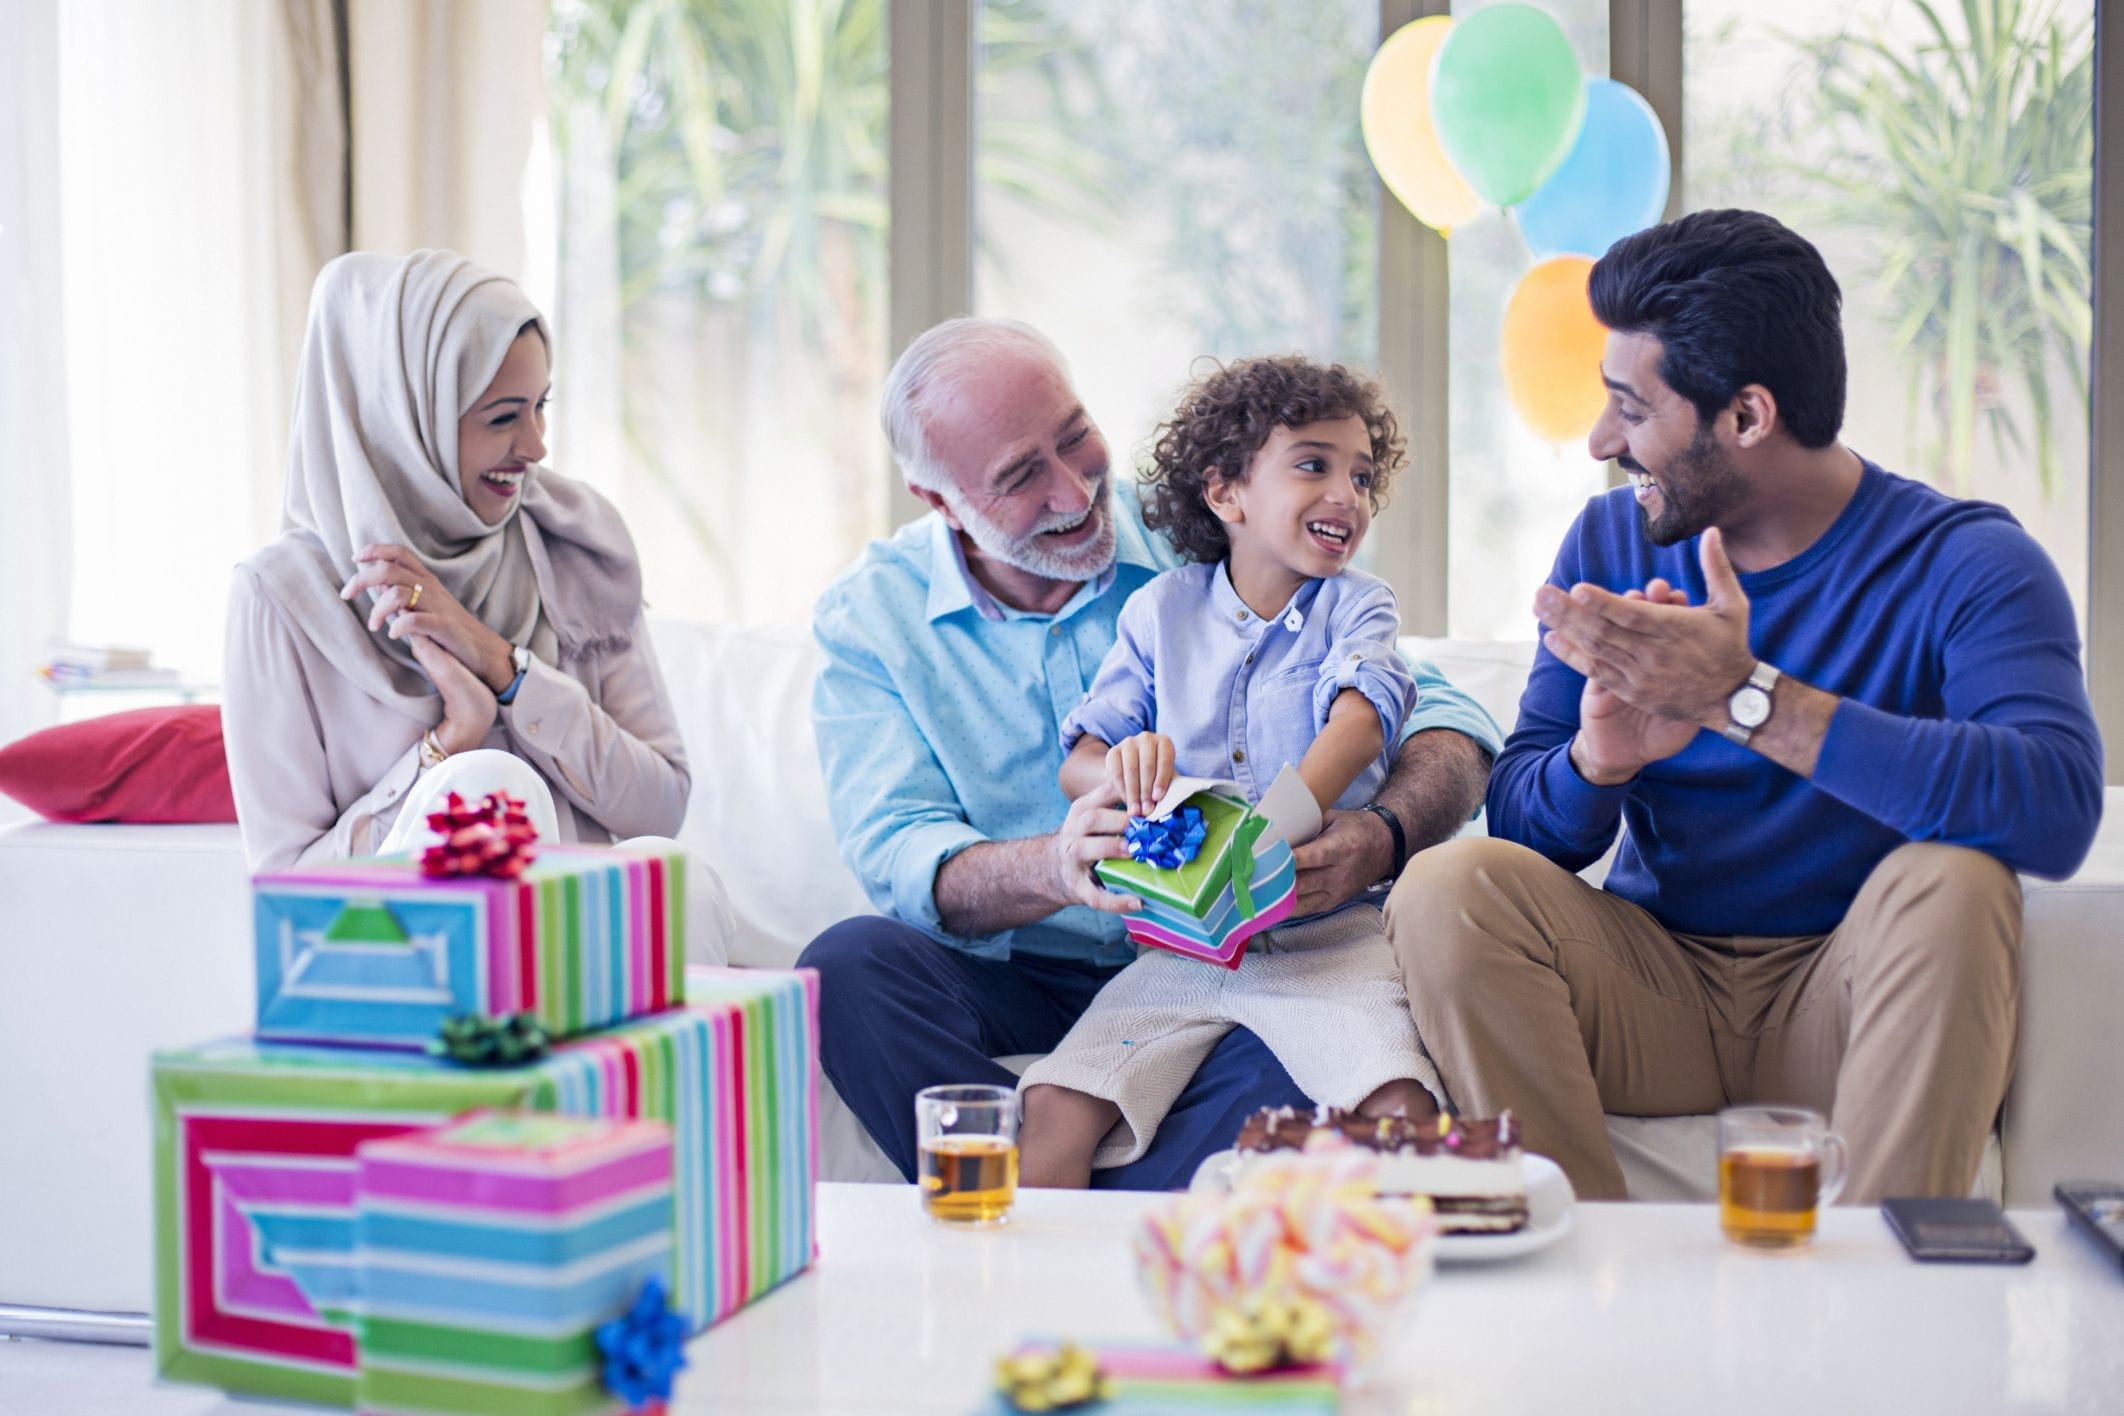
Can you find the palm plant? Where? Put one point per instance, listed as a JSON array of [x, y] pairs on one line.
[[1968, 166]]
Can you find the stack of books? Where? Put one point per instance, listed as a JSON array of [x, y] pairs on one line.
[[69, 667]]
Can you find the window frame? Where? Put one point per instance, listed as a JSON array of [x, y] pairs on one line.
[[931, 277]]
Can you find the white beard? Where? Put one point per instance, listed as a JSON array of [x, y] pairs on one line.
[[1029, 555]]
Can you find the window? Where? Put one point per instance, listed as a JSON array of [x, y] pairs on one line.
[[719, 178], [1156, 183], [1513, 495], [1948, 180]]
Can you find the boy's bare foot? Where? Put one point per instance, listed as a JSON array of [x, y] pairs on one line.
[[1405, 1097], [1059, 1135]]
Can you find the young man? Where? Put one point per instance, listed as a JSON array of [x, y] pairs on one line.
[[1835, 710], [953, 650]]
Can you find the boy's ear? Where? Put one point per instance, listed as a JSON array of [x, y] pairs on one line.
[[1222, 497]]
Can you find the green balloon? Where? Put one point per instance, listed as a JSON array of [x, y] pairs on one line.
[[1507, 100]]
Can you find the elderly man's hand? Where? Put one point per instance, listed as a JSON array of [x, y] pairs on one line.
[[1657, 669], [1353, 849], [1090, 833]]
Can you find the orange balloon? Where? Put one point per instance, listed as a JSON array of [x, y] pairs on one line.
[[1551, 350]]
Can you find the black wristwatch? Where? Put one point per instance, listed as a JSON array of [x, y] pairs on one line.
[[1401, 840]]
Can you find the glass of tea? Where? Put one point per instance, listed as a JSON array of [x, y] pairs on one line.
[[967, 1153], [1776, 1166]]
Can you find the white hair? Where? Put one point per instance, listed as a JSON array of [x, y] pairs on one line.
[[939, 358]]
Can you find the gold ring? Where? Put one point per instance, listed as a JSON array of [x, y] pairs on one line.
[[413, 600]]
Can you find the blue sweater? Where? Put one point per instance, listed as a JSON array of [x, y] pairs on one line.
[[1947, 633]]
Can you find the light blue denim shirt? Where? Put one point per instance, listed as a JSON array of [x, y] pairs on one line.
[[939, 714], [1240, 695]]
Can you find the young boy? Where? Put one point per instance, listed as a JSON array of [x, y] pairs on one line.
[[1268, 649]]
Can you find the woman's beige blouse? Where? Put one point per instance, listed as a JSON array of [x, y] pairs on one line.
[[319, 768]]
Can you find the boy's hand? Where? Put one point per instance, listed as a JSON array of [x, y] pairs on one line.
[[1142, 767]]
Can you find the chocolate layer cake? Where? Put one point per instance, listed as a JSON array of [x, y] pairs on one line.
[[1468, 1168]]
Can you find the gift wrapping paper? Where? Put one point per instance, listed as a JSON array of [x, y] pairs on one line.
[[255, 1170], [375, 953], [489, 1252], [1192, 909]]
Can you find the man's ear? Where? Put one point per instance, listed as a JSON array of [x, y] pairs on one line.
[[1222, 497], [1754, 415], [935, 502]]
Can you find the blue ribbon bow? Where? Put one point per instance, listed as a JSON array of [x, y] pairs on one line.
[[1167, 844], [643, 1348]]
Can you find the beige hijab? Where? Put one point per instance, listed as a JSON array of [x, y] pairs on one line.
[[397, 350]]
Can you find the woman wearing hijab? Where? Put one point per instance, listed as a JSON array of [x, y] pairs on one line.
[[441, 612]]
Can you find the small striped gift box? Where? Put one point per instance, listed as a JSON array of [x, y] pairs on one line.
[[255, 1172], [490, 1251], [375, 953]]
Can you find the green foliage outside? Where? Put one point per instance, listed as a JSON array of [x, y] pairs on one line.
[[1968, 163]]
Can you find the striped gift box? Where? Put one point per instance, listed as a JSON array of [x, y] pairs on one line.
[[373, 952], [255, 1173], [490, 1251]]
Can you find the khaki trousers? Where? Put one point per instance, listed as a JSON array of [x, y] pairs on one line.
[[1536, 991]]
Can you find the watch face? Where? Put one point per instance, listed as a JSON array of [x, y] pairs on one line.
[[1749, 707]]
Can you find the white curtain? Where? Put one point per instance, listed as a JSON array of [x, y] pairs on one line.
[[448, 104], [34, 509], [190, 242]]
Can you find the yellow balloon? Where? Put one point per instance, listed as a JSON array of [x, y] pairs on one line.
[[1551, 350], [1396, 111]]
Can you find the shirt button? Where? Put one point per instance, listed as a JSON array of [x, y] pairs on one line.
[[1250, 658], [1239, 615], [1056, 631], [1238, 756], [533, 730]]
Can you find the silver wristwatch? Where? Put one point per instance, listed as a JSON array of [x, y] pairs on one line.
[[1748, 707]]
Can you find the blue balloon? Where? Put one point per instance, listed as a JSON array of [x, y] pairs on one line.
[[1613, 182]]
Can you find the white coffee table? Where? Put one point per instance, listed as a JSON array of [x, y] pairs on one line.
[[1640, 1309]]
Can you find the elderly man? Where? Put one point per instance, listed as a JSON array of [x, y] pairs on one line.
[[1835, 711], [952, 652]]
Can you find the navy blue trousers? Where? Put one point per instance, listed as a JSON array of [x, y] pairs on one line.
[[899, 1012]]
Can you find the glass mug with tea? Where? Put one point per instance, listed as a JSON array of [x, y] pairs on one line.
[[1777, 1165], [967, 1153]]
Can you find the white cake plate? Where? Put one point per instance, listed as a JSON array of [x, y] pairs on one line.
[[1550, 1201]]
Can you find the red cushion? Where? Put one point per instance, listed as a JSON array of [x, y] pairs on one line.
[[152, 764]]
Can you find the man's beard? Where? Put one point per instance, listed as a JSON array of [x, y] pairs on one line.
[[1696, 491], [1027, 553]]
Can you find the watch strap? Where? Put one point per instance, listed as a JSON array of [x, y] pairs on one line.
[[1401, 839], [520, 656]]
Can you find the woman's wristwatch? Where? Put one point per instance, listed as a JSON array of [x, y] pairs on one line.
[[432, 752], [1401, 840], [519, 655]]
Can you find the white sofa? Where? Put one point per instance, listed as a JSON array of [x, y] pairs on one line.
[[118, 940]]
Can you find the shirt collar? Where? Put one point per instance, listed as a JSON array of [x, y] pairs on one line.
[[1233, 610]]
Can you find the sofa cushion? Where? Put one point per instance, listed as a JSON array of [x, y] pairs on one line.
[[758, 806], [151, 765]]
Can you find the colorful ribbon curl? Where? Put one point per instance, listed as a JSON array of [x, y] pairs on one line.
[[643, 1348], [1167, 844]]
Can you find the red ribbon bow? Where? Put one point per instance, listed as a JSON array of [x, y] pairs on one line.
[[493, 838]]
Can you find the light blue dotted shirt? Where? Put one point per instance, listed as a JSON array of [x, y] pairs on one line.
[[939, 716]]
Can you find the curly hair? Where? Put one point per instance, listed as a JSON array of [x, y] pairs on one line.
[[1224, 419]]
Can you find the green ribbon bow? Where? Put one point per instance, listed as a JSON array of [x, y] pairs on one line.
[[1240, 861], [478, 1040]]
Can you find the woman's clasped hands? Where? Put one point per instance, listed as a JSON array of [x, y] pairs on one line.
[[466, 661]]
